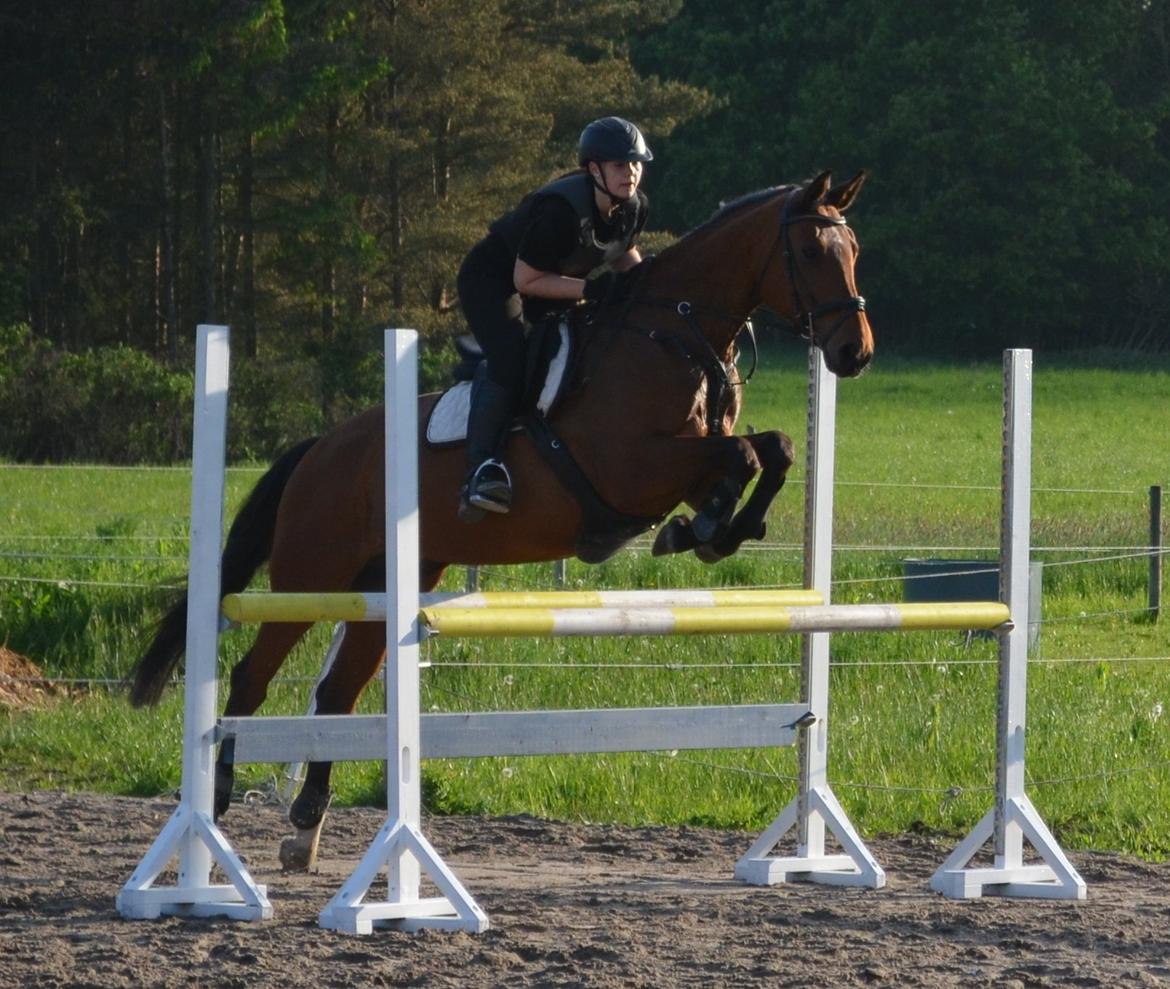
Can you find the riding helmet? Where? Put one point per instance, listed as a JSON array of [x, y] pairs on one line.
[[612, 139]]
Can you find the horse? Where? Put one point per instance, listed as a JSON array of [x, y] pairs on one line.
[[646, 424]]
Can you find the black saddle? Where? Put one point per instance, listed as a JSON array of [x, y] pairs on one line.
[[542, 345]]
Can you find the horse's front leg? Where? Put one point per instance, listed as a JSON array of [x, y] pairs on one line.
[[719, 469], [775, 454]]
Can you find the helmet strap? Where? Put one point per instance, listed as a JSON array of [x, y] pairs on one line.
[[615, 200]]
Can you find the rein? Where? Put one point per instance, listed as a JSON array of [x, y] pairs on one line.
[[803, 323]]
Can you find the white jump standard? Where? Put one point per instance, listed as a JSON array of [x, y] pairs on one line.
[[1013, 817], [191, 832]]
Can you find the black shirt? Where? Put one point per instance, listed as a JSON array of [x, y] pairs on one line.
[[551, 235]]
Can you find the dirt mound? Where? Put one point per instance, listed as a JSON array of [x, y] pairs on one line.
[[22, 684]]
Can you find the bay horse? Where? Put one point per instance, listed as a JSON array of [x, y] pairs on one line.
[[648, 422]]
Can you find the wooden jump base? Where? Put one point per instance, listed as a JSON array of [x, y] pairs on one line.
[[404, 736]]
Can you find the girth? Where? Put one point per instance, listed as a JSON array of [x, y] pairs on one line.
[[604, 530]]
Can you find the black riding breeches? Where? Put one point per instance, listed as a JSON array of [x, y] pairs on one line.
[[492, 307]]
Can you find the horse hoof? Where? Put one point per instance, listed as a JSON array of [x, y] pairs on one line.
[[707, 553], [298, 852], [674, 537]]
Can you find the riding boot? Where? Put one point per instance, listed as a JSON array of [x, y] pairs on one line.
[[489, 485]]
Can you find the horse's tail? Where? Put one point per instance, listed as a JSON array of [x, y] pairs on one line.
[[249, 545]]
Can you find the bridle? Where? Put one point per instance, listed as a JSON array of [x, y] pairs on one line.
[[804, 322]]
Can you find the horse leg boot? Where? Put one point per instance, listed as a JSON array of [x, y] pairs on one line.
[[710, 522], [733, 462], [489, 485]]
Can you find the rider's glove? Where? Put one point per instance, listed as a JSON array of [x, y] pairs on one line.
[[603, 288], [613, 287]]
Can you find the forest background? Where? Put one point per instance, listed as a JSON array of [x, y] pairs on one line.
[[310, 171]]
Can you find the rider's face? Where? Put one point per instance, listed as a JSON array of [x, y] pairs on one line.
[[621, 177]]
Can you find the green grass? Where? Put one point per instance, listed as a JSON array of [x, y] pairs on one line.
[[912, 716]]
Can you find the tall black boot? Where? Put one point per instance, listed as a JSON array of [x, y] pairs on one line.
[[489, 485]]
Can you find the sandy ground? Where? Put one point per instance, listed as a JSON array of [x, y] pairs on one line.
[[570, 905]]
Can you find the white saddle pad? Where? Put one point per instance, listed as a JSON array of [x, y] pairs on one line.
[[448, 421]]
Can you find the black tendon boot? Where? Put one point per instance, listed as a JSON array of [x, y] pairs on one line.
[[489, 485]]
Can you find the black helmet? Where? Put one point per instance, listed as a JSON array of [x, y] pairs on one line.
[[612, 139]]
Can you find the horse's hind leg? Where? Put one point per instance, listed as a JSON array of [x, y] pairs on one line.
[[249, 687], [357, 660]]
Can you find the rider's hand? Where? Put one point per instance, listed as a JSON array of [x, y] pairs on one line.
[[608, 288], [598, 289]]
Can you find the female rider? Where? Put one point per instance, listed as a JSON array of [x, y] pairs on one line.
[[533, 263]]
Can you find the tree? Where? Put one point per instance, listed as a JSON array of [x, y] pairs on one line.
[[1011, 162]]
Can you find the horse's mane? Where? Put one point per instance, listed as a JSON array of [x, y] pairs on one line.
[[733, 206], [728, 209]]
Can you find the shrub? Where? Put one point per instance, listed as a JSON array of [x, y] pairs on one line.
[[113, 405]]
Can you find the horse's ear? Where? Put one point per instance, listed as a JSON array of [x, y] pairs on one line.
[[814, 192], [842, 196]]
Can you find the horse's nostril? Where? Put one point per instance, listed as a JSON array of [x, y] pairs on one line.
[[850, 360]]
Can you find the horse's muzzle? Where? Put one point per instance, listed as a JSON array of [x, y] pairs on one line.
[[848, 345], [849, 359]]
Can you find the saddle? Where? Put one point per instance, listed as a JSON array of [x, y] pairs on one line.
[[550, 356]]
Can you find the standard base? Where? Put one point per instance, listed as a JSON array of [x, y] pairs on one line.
[[194, 834], [402, 849], [856, 867], [1054, 879]]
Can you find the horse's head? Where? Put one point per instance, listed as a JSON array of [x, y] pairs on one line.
[[811, 274]]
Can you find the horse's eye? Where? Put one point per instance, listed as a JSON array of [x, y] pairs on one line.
[[811, 252]]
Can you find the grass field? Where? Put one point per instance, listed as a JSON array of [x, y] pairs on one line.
[[912, 718]]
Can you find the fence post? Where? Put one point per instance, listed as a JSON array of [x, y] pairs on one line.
[[1155, 550]]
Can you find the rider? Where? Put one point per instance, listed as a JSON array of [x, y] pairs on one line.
[[533, 263]]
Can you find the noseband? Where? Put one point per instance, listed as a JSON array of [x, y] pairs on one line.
[[805, 319]]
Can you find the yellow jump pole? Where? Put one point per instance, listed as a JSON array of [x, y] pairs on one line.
[[274, 606], [557, 622]]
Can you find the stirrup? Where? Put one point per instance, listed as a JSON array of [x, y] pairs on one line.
[[490, 487]]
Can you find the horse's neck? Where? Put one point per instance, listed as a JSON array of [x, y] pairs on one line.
[[717, 272]]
